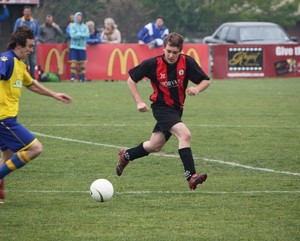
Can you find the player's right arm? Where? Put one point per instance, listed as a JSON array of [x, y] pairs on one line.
[[141, 105], [42, 90]]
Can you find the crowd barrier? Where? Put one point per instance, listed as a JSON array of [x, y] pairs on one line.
[[112, 61], [255, 61], [109, 61]]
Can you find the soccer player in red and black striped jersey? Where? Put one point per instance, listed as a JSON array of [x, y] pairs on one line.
[[169, 75]]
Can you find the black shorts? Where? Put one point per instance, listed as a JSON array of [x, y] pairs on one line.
[[166, 117]]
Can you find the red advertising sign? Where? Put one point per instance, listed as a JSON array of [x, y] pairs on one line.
[[256, 61], [109, 61]]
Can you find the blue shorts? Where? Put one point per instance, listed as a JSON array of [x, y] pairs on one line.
[[77, 55], [14, 136]]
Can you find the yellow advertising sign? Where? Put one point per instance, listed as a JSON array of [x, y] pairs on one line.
[[123, 57], [60, 57], [193, 53]]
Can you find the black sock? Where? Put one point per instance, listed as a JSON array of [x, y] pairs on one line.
[[136, 152], [188, 162]]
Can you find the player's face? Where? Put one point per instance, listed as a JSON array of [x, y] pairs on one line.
[[171, 54], [27, 50]]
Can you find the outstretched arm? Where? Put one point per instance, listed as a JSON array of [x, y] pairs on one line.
[[42, 90], [141, 105]]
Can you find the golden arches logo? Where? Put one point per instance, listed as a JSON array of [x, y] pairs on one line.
[[193, 53], [60, 57], [123, 57]]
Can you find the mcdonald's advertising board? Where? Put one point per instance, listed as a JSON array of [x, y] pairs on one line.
[[109, 61], [256, 61]]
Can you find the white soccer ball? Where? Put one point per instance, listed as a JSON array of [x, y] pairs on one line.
[[101, 190]]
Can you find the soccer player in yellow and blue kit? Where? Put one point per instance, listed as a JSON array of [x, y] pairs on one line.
[[17, 144]]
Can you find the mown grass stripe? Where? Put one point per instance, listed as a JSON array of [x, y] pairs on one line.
[[170, 155]]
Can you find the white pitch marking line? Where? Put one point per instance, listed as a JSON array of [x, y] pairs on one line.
[[171, 155], [163, 192], [73, 140], [233, 164], [250, 167]]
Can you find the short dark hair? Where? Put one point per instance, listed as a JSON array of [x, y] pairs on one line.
[[19, 37], [27, 7], [174, 40]]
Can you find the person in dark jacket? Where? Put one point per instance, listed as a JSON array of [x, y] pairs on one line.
[[94, 37]]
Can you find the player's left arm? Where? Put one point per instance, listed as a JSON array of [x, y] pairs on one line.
[[194, 90], [42, 90], [198, 77]]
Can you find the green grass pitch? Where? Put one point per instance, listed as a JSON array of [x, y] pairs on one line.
[[245, 136]]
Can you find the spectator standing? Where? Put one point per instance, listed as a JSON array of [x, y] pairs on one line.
[[153, 34], [70, 23], [49, 31], [79, 33], [5, 13], [169, 74], [94, 37], [111, 33], [33, 24]]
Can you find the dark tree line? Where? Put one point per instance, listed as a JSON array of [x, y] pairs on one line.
[[194, 19]]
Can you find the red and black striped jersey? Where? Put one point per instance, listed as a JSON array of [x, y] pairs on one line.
[[169, 81]]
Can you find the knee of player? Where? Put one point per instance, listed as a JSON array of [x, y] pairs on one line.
[[187, 136], [155, 148], [37, 148]]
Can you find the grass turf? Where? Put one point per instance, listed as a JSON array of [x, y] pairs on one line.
[[245, 135]]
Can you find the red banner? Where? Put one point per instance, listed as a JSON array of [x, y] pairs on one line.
[[256, 61], [109, 61]]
